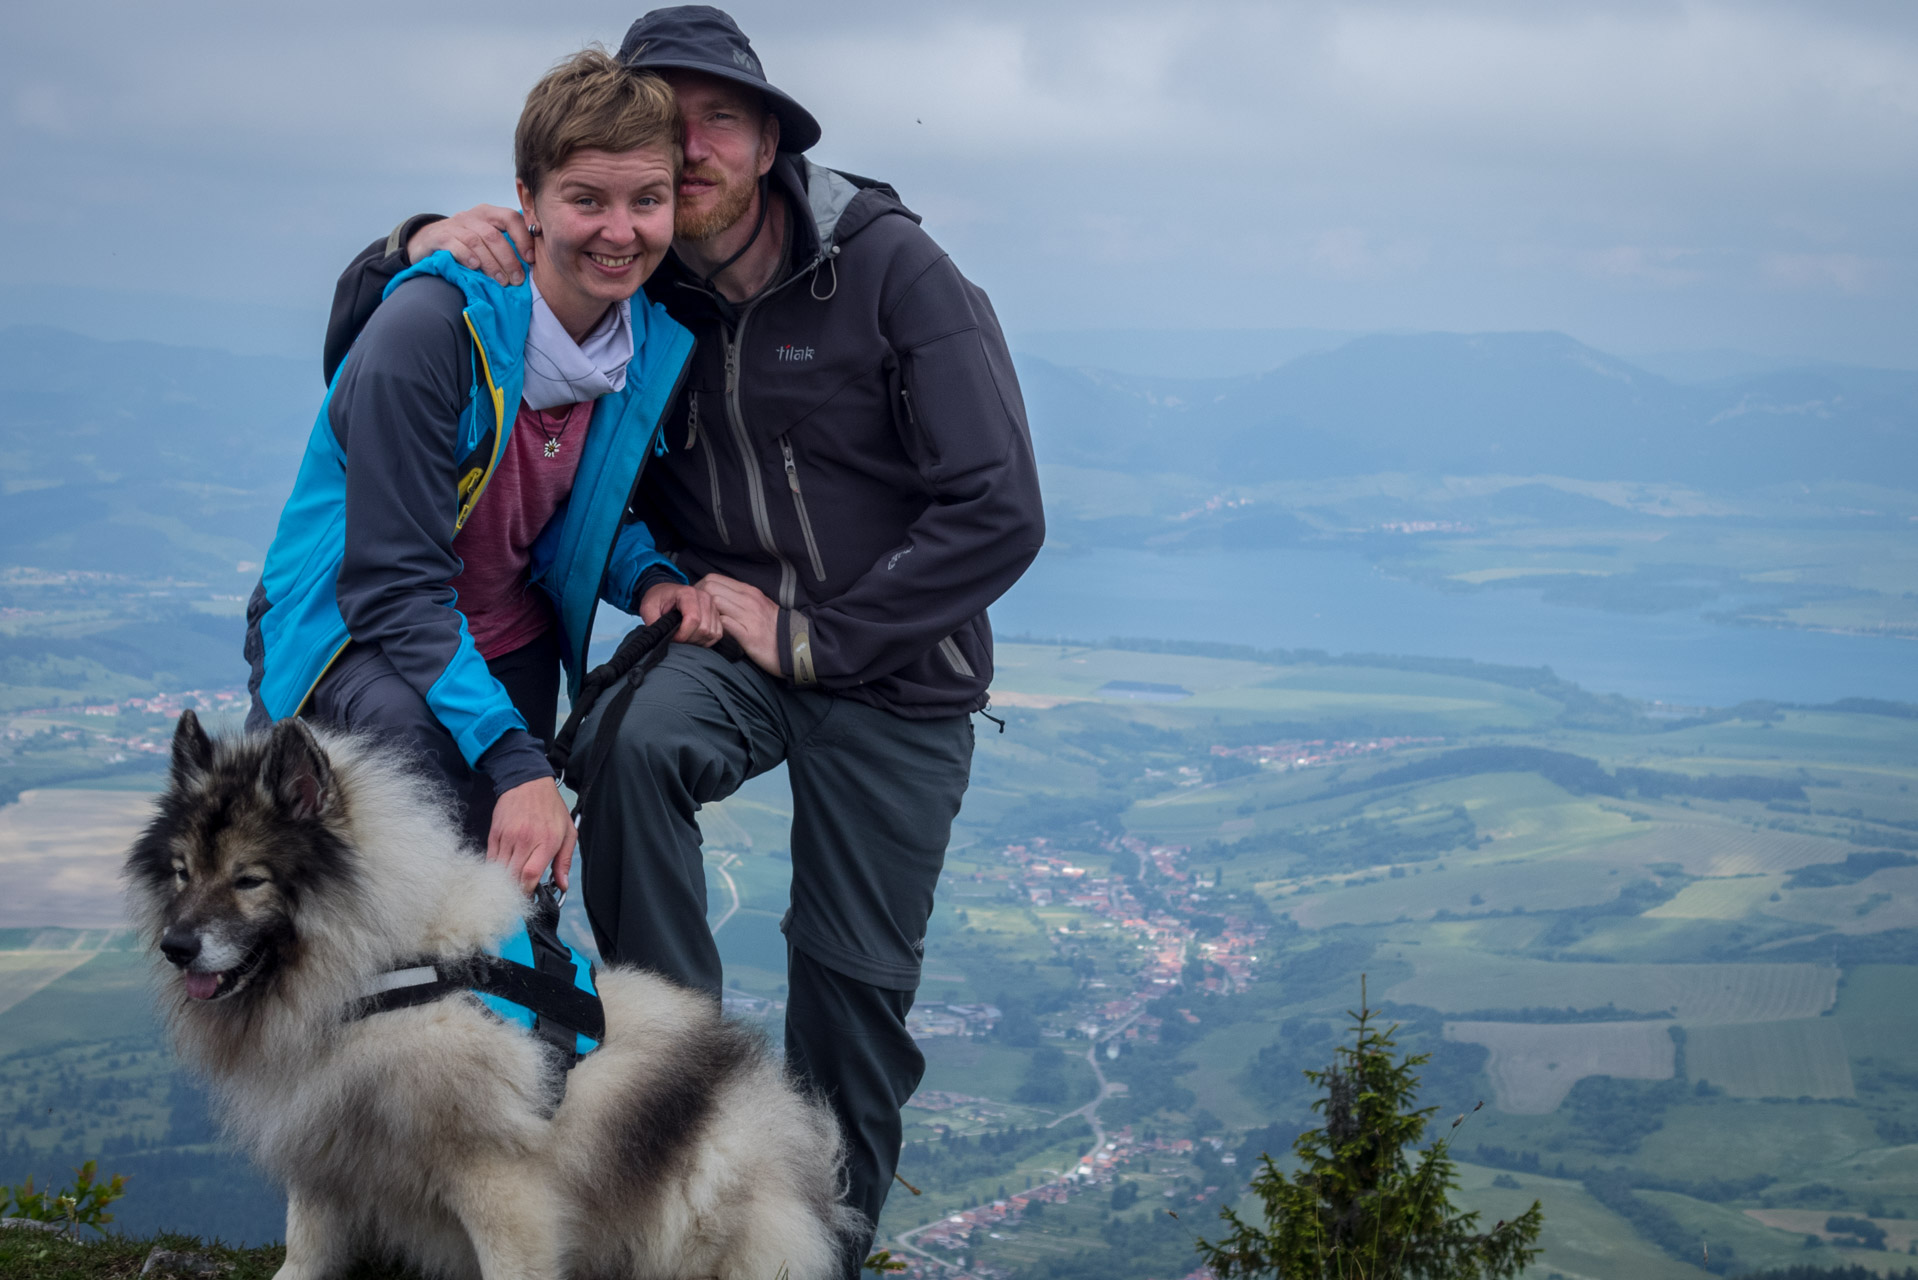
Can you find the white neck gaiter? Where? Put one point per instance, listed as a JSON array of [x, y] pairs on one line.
[[560, 371]]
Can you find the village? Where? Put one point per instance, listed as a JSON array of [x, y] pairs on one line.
[[1186, 942]]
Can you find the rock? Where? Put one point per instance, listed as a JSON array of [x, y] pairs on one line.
[[28, 1224], [166, 1262]]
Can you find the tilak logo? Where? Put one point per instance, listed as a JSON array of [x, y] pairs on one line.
[[746, 60], [789, 354]]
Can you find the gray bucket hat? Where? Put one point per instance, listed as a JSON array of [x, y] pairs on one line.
[[698, 37]]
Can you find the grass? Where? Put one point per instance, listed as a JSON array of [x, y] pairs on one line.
[[1534, 1065], [1582, 1238], [1754, 1244], [1796, 1141], [102, 999], [33, 1255], [1449, 978], [1544, 851], [1887, 900], [1877, 1012], [1801, 1058]]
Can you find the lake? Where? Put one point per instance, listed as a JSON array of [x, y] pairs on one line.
[[1290, 598]]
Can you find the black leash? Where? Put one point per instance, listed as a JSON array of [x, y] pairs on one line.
[[642, 649]]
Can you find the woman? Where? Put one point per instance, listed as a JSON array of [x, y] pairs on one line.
[[461, 506]]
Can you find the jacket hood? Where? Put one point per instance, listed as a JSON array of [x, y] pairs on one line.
[[840, 205], [833, 207]]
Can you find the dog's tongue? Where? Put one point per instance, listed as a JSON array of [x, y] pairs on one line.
[[201, 986]]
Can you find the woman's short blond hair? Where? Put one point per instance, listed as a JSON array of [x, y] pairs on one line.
[[592, 102]]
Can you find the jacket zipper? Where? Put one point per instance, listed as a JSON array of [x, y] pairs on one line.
[[755, 483], [632, 493], [912, 420], [949, 650], [712, 466], [799, 505]]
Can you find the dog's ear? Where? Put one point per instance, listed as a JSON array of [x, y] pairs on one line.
[[296, 773], [192, 749]]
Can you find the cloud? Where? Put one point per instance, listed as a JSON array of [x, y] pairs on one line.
[[1666, 170]]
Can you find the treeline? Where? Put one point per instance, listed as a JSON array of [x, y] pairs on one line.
[[1359, 842], [1613, 1116], [1855, 867], [1660, 1225], [1448, 1074], [1852, 1272], [954, 1160], [1577, 774], [1714, 1190], [1539, 1013], [1153, 1244]]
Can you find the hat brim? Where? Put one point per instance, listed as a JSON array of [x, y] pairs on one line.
[[798, 131]]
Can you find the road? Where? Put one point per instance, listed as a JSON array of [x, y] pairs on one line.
[[726, 860], [904, 1240]]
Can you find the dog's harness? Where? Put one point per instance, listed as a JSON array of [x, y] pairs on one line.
[[533, 979]]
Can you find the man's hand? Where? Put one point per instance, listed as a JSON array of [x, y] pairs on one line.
[[532, 829], [748, 617], [698, 615], [477, 238]]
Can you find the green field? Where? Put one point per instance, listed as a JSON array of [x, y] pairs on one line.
[[1540, 935]]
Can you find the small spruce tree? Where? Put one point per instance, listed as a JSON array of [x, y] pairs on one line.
[[1360, 1206]]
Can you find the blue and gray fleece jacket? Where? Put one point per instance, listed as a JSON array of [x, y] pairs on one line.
[[414, 422]]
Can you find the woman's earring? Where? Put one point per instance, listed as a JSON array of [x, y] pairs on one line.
[[532, 228]]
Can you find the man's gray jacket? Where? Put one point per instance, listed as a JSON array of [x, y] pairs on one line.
[[852, 442]]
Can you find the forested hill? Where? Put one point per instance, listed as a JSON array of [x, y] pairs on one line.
[[1471, 404], [137, 457]]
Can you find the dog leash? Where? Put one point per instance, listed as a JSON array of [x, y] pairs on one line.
[[642, 649]]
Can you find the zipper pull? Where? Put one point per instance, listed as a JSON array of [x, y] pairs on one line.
[[905, 395], [792, 472], [692, 420]]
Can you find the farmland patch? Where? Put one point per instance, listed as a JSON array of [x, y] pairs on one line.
[[1720, 849], [24, 972], [1534, 1065], [1452, 980], [1725, 899], [69, 845], [1887, 900], [1799, 1059], [1472, 890], [1899, 1232]]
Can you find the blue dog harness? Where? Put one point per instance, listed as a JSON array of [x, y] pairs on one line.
[[530, 977]]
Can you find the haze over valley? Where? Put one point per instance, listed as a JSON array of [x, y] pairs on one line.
[[1568, 703]]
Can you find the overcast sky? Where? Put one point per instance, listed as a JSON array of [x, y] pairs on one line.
[[1643, 175]]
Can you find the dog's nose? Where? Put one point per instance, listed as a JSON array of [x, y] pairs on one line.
[[180, 946]]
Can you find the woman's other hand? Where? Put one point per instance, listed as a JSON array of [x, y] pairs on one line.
[[532, 830], [478, 239], [698, 614]]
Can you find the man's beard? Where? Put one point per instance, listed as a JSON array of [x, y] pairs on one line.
[[731, 205]]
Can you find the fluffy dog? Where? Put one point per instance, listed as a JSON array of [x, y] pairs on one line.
[[282, 874]]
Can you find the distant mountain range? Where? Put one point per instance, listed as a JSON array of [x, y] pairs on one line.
[[139, 457], [1473, 404], [133, 457]]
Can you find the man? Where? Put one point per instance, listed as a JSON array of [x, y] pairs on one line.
[[849, 477]]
